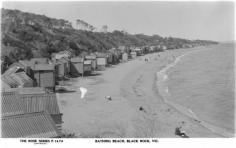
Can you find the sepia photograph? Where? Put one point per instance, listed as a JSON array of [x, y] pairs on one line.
[[117, 69]]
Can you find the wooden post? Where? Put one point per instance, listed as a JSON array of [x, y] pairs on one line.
[[83, 69]]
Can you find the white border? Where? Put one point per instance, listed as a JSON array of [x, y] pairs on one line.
[[163, 142]]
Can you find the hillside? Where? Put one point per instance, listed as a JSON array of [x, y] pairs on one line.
[[27, 35]]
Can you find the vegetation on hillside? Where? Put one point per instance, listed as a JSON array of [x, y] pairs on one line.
[[27, 35]]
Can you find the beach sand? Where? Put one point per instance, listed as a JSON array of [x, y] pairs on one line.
[[131, 85]]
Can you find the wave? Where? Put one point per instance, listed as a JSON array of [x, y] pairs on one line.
[[165, 93]]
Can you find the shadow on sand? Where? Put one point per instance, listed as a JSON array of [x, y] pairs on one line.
[[64, 91], [94, 74], [85, 75]]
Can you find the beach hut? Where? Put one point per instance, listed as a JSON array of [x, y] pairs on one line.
[[26, 67], [124, 56], [101, 61], [45, 76], [79, 66], [116, 55], [133, 54], [138, 51], [60, 68], [93, 60], [23, 79], [87, 66], [109, 58], [16, 77]]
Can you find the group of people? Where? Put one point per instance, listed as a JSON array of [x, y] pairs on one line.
[[149, 59], [146, 59]]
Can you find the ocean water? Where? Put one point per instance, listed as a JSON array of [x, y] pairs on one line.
[[200, 84]]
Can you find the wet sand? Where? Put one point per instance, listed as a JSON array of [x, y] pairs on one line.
[[136, 108]]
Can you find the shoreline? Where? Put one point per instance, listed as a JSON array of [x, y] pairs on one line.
[[162, 77], [157, 94], [131, 85]]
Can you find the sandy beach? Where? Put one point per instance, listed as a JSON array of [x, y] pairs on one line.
[[136, 108]]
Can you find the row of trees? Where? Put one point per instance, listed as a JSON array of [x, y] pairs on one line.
[[24, 41]]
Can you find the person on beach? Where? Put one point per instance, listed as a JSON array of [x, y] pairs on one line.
[[142, 109], [146, 60], [180, 132]]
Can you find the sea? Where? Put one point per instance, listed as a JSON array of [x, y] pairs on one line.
[[200, 84]]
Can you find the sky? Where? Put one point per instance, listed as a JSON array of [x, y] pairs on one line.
[[190, 20]]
